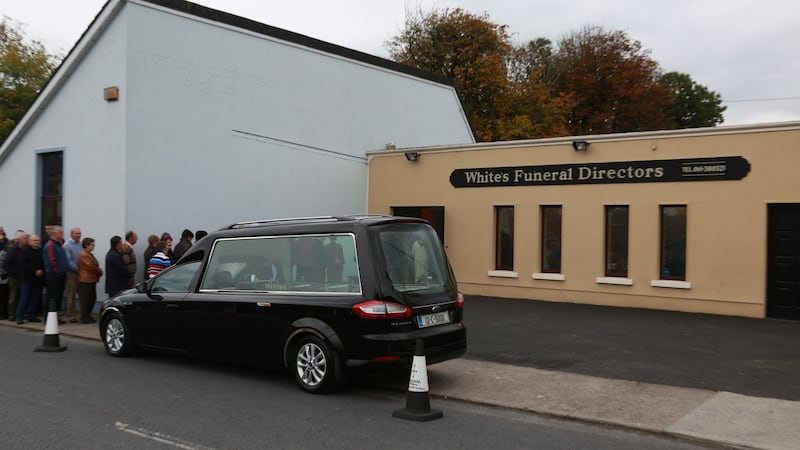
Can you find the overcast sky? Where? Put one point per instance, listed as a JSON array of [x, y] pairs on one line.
[[746, 50]]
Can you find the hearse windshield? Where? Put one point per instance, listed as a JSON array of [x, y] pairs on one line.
[[414, 258]]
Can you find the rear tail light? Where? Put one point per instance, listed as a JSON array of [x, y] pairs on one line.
[[460, 300], [377, 309]]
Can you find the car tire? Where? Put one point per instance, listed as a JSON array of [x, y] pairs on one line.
[[315, 365], [116, 335]]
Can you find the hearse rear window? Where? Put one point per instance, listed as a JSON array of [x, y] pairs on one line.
[[414, 258], [312, 263]]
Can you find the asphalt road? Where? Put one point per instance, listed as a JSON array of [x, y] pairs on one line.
[[756, 357], [82, 398]]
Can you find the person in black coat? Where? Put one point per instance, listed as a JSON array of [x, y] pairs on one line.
[[31, 280], [116, 269], [184, 245]]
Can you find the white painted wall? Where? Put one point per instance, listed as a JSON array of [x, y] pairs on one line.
[[215, 125], [91, 134], [227, 125]]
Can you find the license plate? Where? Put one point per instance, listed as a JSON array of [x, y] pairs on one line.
[[430, 320]]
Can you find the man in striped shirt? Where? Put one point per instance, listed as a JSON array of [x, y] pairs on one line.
[[159, 261]]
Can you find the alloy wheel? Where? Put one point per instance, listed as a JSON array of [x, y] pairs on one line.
[[311, 364], [115, 335]]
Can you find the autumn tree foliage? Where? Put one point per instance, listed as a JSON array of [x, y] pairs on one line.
[[614, 82], [477, 54], [25, 67], [591, 81]]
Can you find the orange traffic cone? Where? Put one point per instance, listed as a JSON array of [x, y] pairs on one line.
[[51, 340], [418, 403]]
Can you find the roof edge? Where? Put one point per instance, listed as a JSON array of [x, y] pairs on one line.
[[244, 23], [593, 138]]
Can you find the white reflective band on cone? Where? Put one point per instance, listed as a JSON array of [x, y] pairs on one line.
[[419, 375], [51, 326]]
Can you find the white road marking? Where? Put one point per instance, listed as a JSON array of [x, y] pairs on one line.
[[160, 437]]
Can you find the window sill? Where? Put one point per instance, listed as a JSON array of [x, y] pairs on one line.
[[614, 280], [503, 274], [549, 276], [674, 284]]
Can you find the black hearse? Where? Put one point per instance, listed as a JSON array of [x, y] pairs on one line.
[[314, 295]]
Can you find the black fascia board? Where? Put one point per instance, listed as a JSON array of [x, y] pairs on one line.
[[299, 39]]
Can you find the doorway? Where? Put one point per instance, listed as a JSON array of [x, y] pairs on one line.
[[783, 261], [433, 214]]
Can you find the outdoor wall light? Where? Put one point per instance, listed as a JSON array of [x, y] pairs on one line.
[[412, 156], [111, 94], [580, 146]]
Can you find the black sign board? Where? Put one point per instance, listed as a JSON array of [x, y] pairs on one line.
[[666, 170]]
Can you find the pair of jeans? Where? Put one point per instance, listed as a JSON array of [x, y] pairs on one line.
[[71, 291], [55, 289], [30, 295]]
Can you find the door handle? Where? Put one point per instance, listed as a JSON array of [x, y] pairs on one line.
[[173, 306]]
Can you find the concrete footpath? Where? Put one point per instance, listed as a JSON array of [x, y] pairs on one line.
[[717, 417]]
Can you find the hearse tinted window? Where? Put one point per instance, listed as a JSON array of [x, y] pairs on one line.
[[314, 263], [176, 279], [414, 259]]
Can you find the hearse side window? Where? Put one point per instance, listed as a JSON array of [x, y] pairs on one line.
[[176, 279], [315, 263]]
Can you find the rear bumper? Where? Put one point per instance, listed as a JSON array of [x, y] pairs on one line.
[[441, 344]]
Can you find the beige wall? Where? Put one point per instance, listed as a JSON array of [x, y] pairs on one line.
[[726, 220]]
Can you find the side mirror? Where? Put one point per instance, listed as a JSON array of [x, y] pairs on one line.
[[141, 287]]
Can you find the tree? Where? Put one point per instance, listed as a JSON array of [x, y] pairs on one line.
[[25, 67], [693, 105], [462, 46], [478, 55], [613, 81]]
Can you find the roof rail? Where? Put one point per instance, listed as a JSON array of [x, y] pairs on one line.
[[364, 216], [255, 223]]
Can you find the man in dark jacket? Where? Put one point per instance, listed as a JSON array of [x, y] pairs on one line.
[[55, 269], [14, 269], [31, 280], [116, 269], [184, 245]]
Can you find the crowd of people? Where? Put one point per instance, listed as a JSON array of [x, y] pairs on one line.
[[40, 274]]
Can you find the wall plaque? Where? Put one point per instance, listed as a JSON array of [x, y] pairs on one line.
[[658, 171]]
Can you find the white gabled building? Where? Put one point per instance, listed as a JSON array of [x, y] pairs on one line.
[[216, 119]]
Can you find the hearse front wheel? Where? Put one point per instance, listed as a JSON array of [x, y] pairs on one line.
[[116, 337], [315, 365]]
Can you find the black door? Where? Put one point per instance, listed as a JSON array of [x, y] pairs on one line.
[[783, 263], [433, 214], [155, 322]]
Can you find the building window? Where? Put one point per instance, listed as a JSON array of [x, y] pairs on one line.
[[50, 202], [673, 242], [551, 239], [617, 241], [504, 237]]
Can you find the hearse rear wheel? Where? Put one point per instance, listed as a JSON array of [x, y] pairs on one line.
[[315, 366]]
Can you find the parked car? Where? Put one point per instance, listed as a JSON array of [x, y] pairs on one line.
[[317, 296]]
